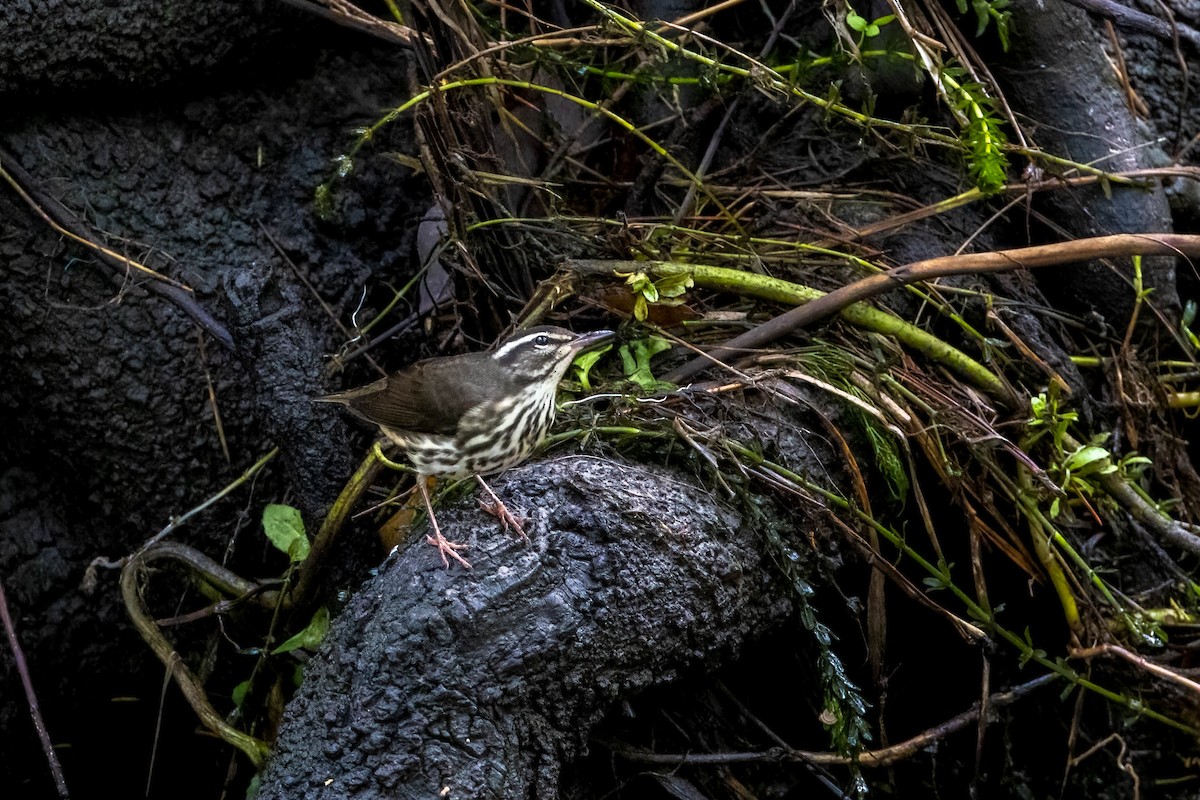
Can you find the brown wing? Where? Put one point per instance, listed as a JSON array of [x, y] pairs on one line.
[[428, 397]]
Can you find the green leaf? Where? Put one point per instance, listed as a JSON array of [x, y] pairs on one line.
[[855, 21], [982, 16], [635, 360], [240, 691], [1189, 313], [638, 282], [310, 637], [1038, 406], [285, 528], [1085, 456], [674, 285], [583, 365]]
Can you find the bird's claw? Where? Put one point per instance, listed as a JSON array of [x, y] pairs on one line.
[[507, 519], [448, 548]]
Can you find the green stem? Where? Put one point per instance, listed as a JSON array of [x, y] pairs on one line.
[[941, 574], [358, 484], [177, 522], [780, 291], [1045, 554]]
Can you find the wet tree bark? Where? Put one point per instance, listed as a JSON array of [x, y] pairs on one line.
[[485, 683]]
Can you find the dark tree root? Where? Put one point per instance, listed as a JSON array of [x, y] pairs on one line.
[[1085, 118], [487, 683]]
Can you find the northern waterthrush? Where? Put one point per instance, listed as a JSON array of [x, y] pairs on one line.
[[472, 414]]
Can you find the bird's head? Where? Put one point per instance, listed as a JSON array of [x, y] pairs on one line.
[[545, 352]]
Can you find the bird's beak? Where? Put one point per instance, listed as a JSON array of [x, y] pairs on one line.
[[586, 341]]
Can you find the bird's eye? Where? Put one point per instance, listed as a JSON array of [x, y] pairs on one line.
[[542, 341]]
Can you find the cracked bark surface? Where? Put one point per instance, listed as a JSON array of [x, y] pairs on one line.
[[174, 157], [107, 431], [487, 682]]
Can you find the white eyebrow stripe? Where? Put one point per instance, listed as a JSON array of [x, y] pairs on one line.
[[512, 344], [509, 346]]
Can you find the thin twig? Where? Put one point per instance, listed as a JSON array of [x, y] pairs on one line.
[[1134, 658], [1118, 487], [39, 724], [191, 686], [884, 757], [61, 219], [347, 15], [212, 398], [686, 206], [329, 312], [1127, 17]]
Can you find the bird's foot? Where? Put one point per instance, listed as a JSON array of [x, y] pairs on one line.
[[508, 520], [497, 509], [445, 546], [448, 548]]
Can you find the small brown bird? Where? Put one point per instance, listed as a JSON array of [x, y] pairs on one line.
[[472, 414]]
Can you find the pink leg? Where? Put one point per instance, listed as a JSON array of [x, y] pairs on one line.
[[498, 509], [445, 546]]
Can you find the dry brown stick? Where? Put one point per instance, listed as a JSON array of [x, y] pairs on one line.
[[1128, 17], [1123, 244], [1137, 178], [883, 757], [1134, 101], [350, 16], [1140, 661], [15, 176], [61, 219]]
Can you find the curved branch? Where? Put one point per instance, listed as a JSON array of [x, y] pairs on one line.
[[189, 684], [1124, 244], [1127, 17]]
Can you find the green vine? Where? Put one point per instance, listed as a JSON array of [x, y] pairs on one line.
[[987, 12], [986, 142]]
